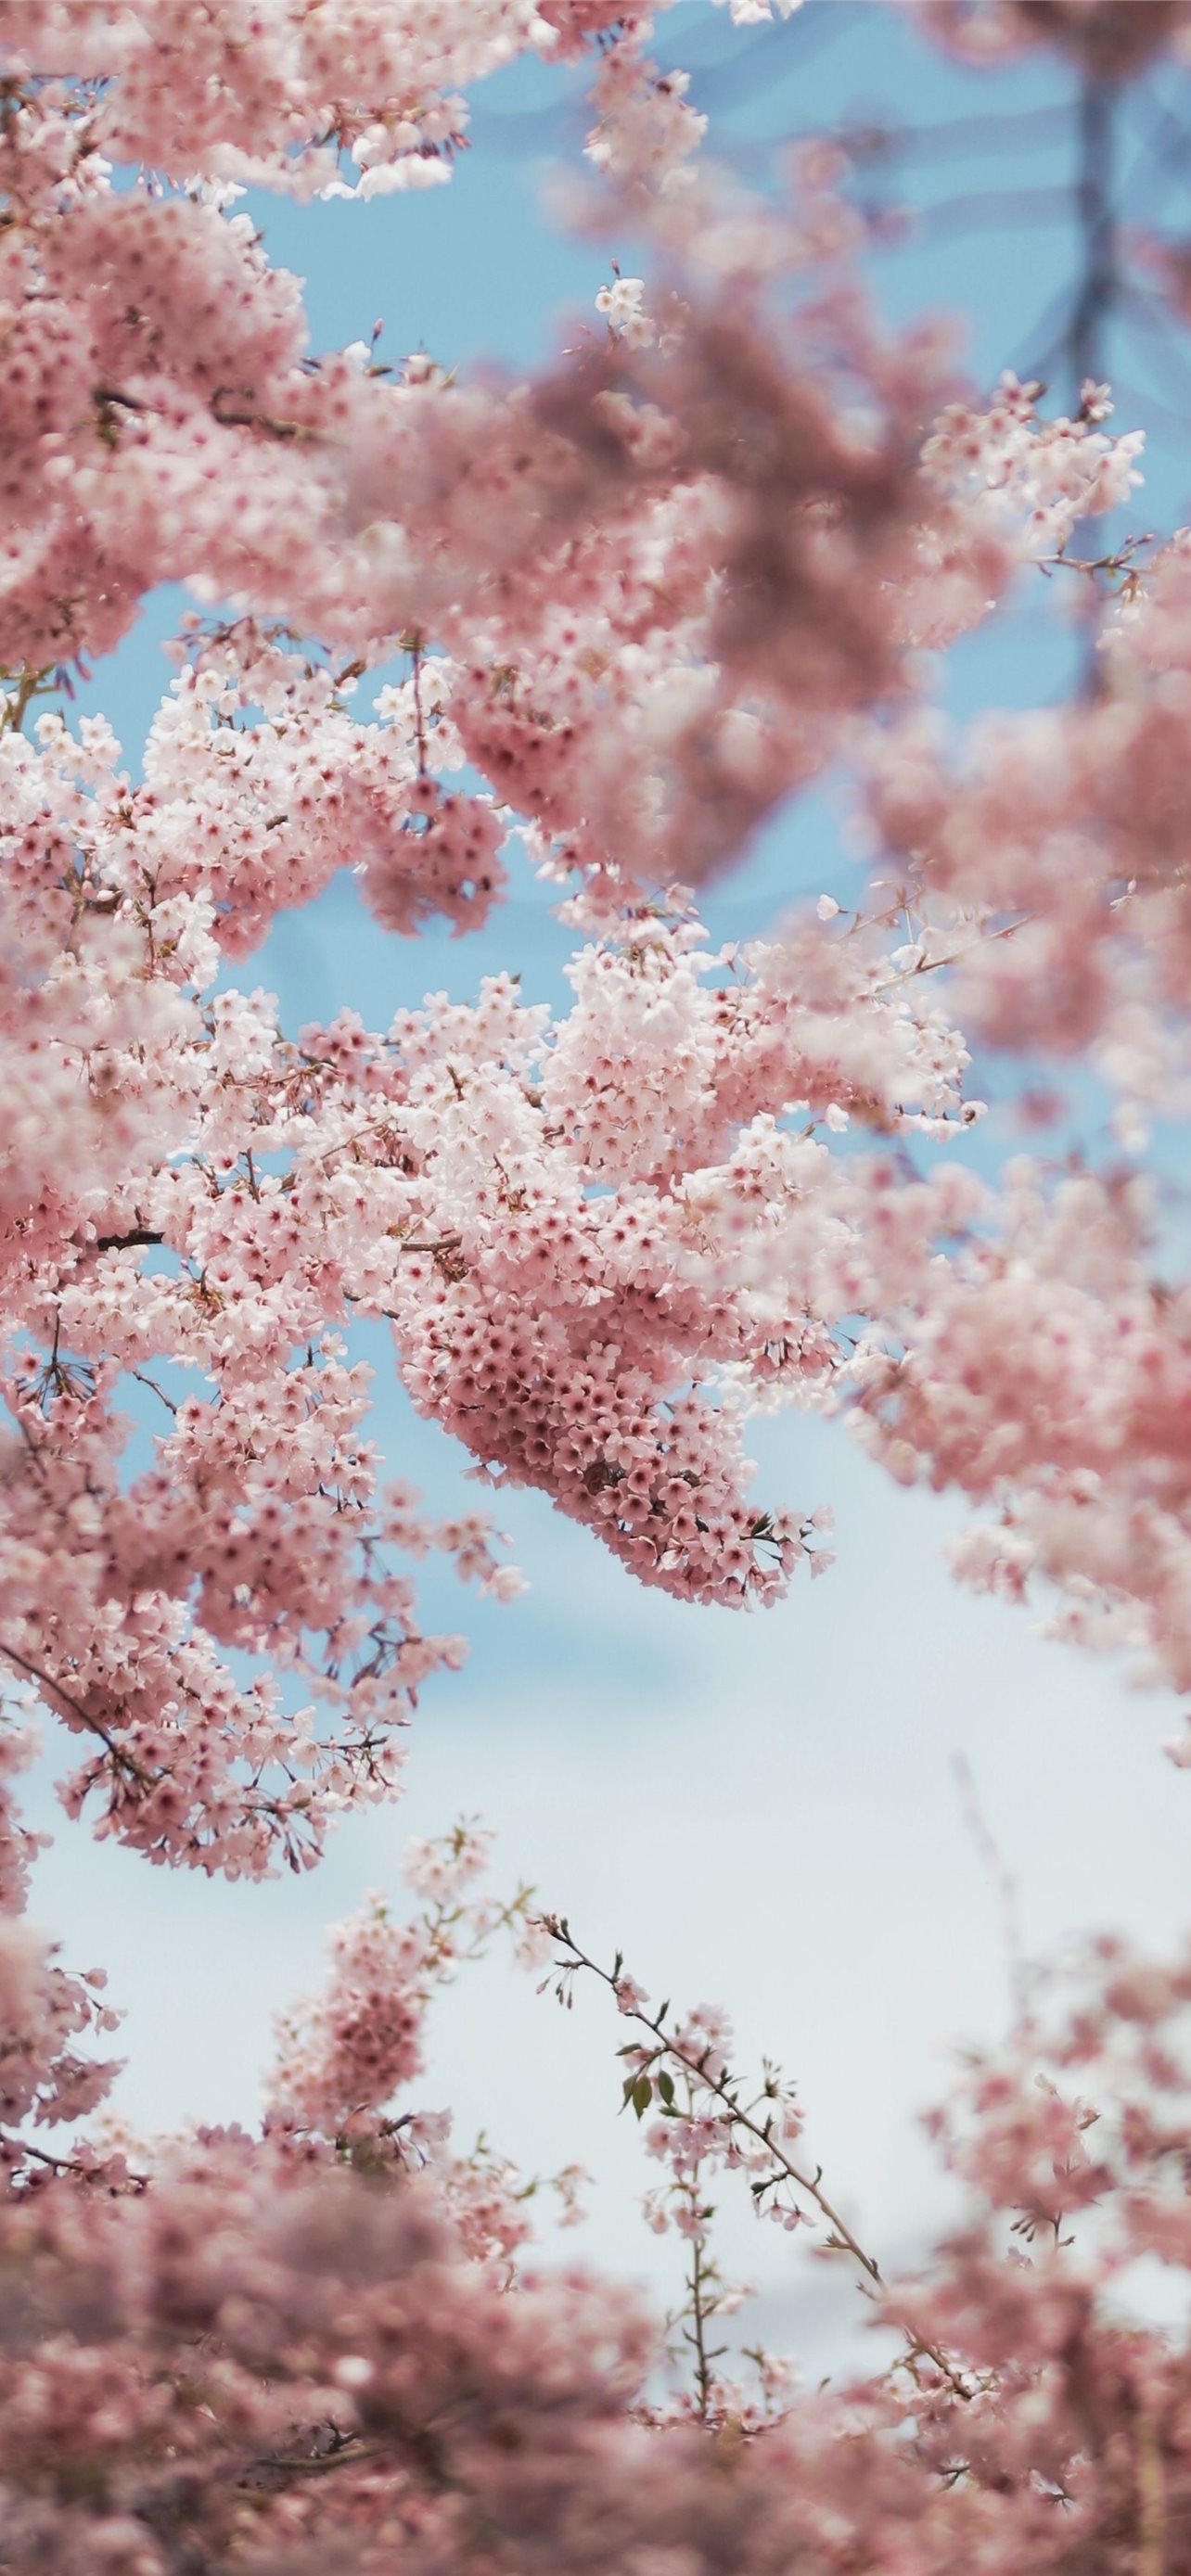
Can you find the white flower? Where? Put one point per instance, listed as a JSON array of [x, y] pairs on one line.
[[623, 305], [755, 13]]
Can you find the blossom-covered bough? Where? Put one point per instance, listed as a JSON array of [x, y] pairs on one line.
[[602, 623]]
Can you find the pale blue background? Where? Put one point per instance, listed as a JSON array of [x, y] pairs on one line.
[[760, 1811]]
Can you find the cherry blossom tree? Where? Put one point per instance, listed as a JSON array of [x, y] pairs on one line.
[[601, 624]]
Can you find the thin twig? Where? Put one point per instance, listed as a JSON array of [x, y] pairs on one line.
[[720, 2087]]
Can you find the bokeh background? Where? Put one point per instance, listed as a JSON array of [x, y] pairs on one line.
[[760, 1811]]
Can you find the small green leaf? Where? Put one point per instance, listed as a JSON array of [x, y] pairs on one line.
[[642, 2095], [666, 2087]]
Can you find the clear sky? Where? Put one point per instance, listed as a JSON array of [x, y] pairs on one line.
[[760, 1811]]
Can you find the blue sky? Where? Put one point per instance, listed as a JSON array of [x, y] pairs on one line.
[[761, 1811]]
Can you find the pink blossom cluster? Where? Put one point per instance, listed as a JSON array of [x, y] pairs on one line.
[[1041, 475], [248, 2354], [258, 784], [359, 2042], [651, 744], [342, 2055], [643, 668], [1065, 826], [338, 98], [1112, 39], [286, 95], [554, 1218], [43, 2011], [597, 1241], [632, 603], [1046, 1372]]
